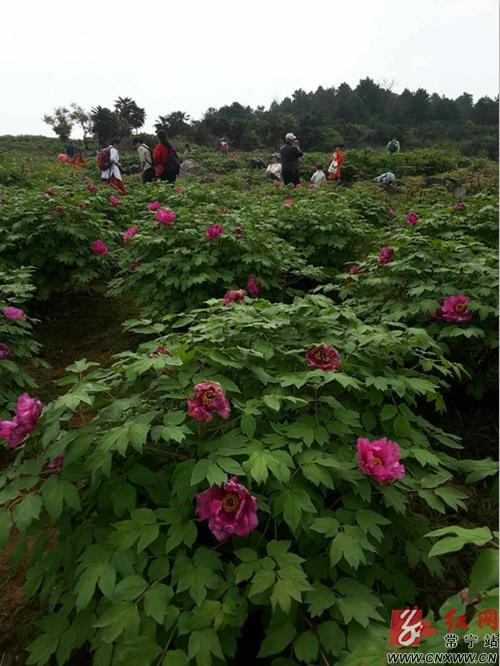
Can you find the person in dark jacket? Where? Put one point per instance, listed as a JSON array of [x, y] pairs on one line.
[[165, 159], [290, 154]]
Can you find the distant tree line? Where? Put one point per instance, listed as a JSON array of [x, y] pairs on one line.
[[367, 115]]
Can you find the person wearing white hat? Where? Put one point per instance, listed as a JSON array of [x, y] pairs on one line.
[[290, 153]]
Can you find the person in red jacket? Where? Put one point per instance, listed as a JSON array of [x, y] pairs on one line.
[[165, 160], [335, 168]]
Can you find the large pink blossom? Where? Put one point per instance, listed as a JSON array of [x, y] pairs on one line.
[[28, 410], [27, 413], [288, 202], [412, 218], [4, 351], [354, 270], [130, 233], [323, 357], [63, 158], [213, 231], [99, 247], [165, 216], [13, 432], [234, 296], [49, 191], [454, 308], [12, 313], [386, 254], [91, 188], [229, 508], [209, 398], [114, 201], [253, 285], [154, 205], [178, 189], [459, 206], [380, 458]]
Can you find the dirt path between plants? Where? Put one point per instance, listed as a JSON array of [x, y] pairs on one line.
[[72, 326]]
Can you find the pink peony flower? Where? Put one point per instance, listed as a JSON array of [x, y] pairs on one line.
[[178, 189], [391, 213], [323, 357], [49, 191], [165, 216], [229, 508], [99, 247], [213, 231], [354, 270], [209, 398], [386, 254], [454, 308], [234, 296], [28, 410], [91, 188], [253, 285], [412, 218], [4, 351], [13, 432], [380, 458], [82, 205], [288, 202], [459, 206], [63, 158], [154, 205], [130, 233], [11, 313], [56, 464], [114, 201]]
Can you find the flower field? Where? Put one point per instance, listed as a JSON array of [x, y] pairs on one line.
[[282, 457]]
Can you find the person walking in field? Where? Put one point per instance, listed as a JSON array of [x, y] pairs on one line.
[[224, 146], [393, 146], [145, 160], [335, 168], [290, 153], [165, 160], [273, 170], [108, 160], [318, 176]]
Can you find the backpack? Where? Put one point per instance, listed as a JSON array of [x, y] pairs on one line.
[[173, 165], [103, 158]]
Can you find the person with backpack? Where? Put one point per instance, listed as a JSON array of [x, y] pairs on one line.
[[290, 153], [145, 160], [108, 161], [165, 160], [393, 146]]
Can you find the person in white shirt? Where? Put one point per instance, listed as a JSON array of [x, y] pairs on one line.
[[318, 176], [386, 178], [145, 160], [112, 174], [274, 168]]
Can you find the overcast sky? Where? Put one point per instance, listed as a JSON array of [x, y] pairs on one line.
[[192, 54]]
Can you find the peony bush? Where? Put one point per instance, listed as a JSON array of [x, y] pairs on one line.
[[238, 476]]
